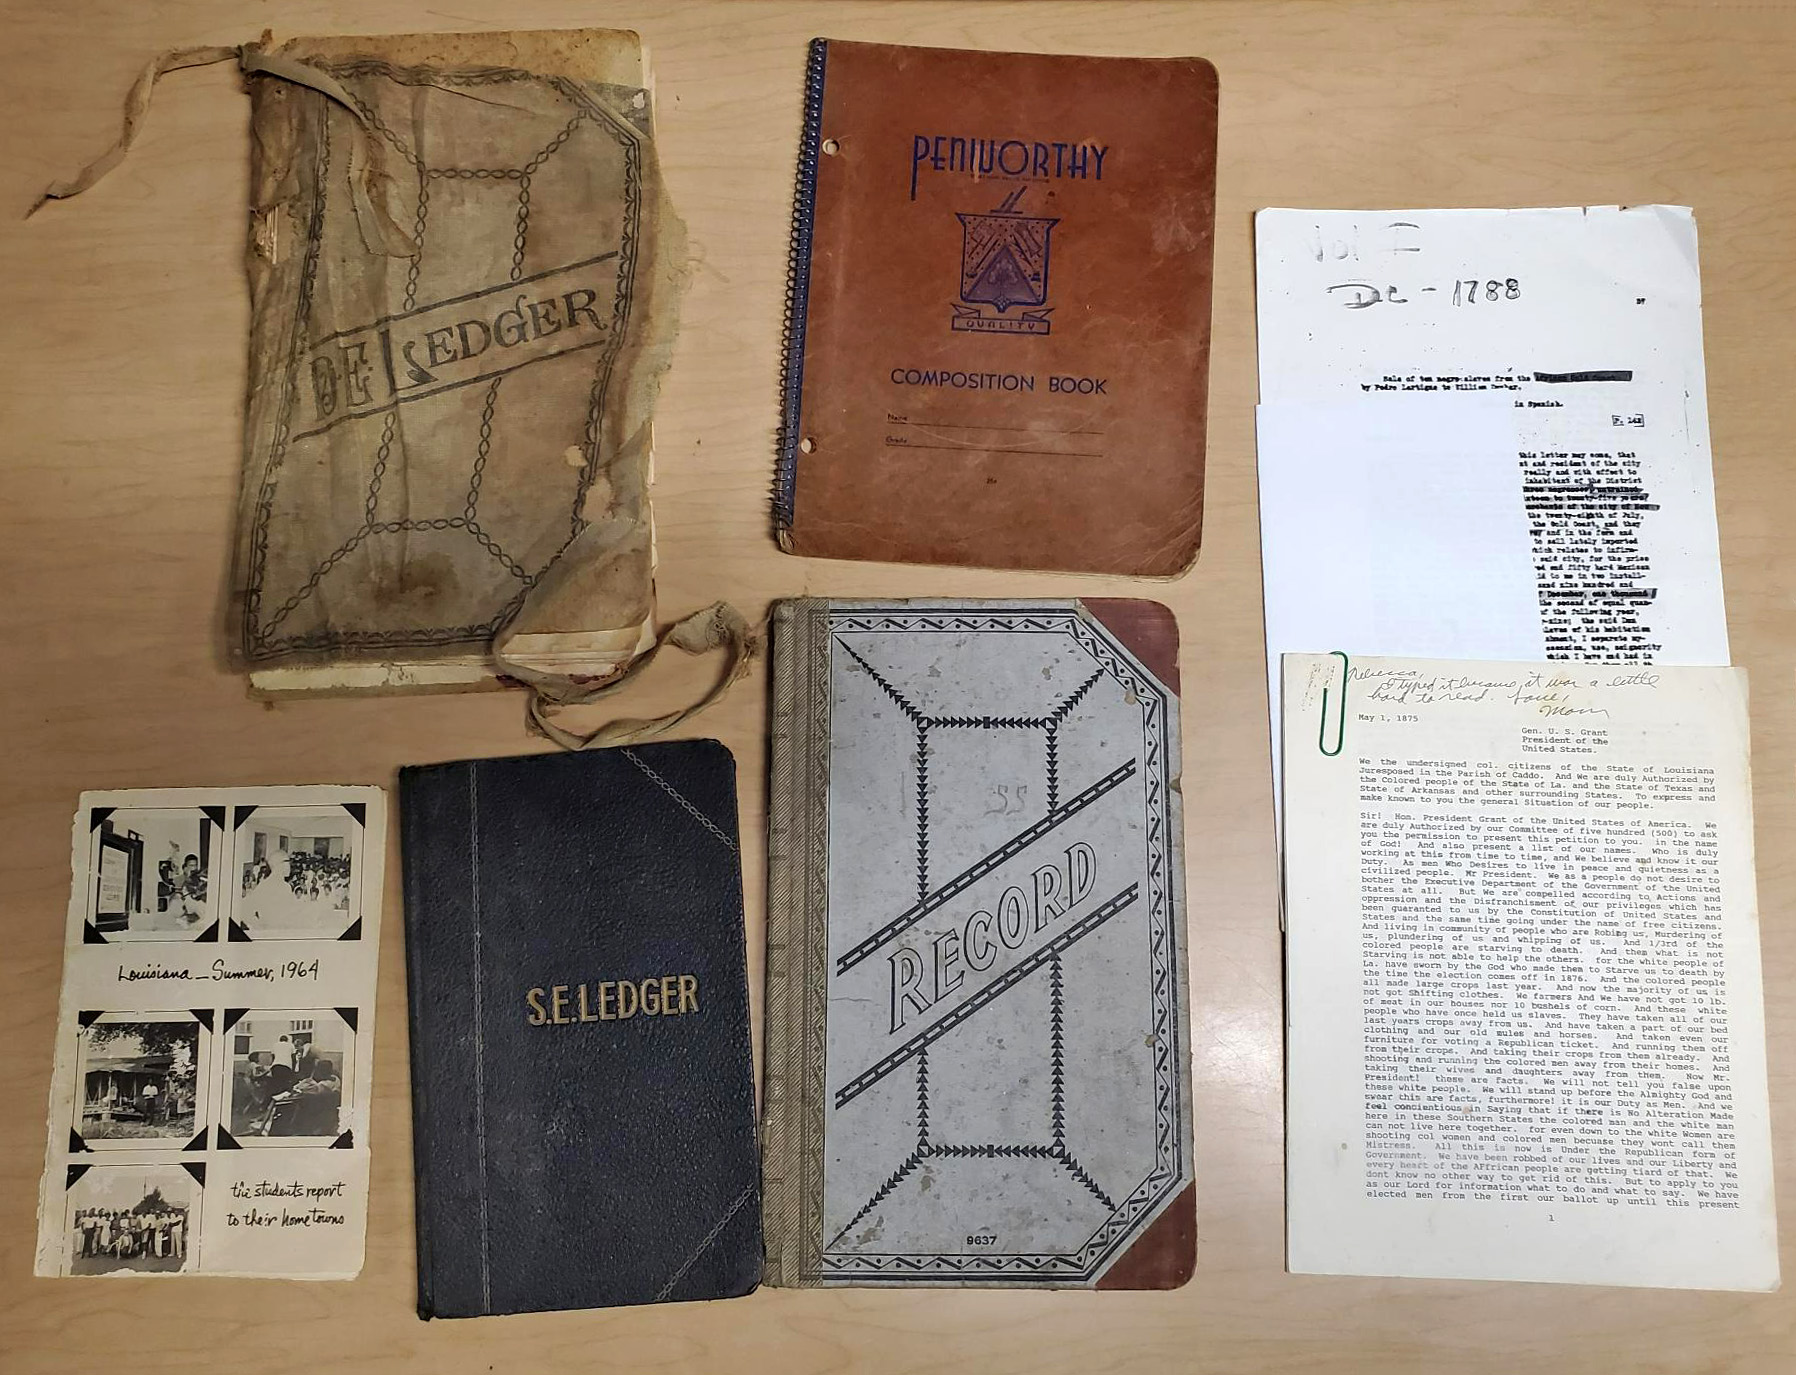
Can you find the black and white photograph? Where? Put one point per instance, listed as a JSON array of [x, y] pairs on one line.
[[152, 874], [296, 873], [139, 1080], [290, 1077], [135, 1219]]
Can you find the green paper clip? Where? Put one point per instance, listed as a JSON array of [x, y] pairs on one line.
[[1341, 727]]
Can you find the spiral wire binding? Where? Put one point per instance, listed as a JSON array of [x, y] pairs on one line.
[[798, 292]]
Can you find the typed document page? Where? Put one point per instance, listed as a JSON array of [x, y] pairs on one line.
[[1526, 1034], [1394, 527], [1583, 326]]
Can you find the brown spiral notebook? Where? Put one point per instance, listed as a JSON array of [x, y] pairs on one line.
[[998, 322]]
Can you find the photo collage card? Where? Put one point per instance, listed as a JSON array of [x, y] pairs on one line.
[[209, 1108]]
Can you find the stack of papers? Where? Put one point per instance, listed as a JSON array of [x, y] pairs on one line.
[[1525, 1028]]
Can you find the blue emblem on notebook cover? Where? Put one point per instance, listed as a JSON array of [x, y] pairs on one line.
[[1003, 263]]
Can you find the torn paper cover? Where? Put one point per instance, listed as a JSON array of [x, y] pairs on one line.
[[463, 283]]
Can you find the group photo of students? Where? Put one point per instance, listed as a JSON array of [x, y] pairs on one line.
[[153, 1233]]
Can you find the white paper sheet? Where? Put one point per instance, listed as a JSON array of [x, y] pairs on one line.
[[209, 1106], [1352, 302], [1525, 1028], [1395, 526], [1571, 337]]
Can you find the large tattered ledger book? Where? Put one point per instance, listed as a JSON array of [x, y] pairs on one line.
[[583, 1098], [461, 271], [998, 319], [977, 1064], [1526, 1037], [215, 1047]]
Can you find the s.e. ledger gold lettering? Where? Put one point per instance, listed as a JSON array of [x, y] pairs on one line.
[[612, 1000]]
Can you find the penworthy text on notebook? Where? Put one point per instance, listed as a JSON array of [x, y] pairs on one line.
[[998, 320]]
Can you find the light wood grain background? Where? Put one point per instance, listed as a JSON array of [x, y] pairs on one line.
[[122, 329]]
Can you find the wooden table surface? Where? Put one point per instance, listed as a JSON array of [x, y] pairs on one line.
[[123, 317]]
